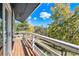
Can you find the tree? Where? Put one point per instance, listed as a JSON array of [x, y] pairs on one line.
[[60, 11], [77, 10], [66, 25], [22, 26], [41, 30], [31, 28]]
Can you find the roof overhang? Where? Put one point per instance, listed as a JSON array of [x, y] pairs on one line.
[[23, 10]]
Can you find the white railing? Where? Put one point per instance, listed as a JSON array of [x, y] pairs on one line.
[[65, 48]]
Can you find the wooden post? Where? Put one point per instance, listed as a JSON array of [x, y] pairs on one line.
[[33, 41], [7, 37]]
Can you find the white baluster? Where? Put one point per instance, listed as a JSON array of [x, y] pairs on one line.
[[33, 41]]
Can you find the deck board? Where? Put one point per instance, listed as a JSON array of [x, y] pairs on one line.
[[17, 48]]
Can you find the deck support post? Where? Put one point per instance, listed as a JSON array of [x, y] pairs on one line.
[[7, 33]]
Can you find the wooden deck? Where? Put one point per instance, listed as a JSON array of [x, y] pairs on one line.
[[17, 48], [22, 47]]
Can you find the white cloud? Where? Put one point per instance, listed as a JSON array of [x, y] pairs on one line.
[[35, 18], [45, 15]]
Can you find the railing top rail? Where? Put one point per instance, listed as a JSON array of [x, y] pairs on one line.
[[66, 45]]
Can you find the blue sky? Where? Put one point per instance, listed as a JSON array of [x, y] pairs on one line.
[[41, 15]]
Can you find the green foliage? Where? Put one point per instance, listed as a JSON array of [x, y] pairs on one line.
[[60, 11], [66, 27], [77, 10], [41, 30], [22, 26], [31, 28]]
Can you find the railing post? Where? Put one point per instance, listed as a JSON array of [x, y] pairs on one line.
[[33, 41]]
